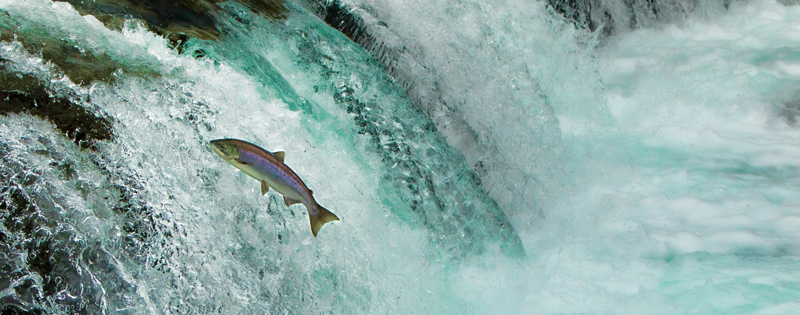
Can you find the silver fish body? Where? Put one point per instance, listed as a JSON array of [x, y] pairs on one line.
[[269, 169]]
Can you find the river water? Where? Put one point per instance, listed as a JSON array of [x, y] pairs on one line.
[[485, 157]]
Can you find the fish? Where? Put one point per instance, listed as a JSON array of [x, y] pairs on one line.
[[269, 169]]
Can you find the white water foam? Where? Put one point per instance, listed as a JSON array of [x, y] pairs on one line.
[[674, 157]]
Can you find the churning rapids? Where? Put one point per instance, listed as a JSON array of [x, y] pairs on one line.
[[484, 157]]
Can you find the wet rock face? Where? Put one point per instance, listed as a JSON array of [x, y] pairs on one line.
[[177, 20], [82, 65], [626, 15], [20, 93], [362, 29], [580, 13]]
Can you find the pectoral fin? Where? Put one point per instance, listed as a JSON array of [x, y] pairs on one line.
[[289, 201], [264, 187], [279, 155]]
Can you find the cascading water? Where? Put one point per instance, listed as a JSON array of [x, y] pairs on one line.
[[501, 157]]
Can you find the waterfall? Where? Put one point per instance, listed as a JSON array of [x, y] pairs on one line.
[[495, 157]]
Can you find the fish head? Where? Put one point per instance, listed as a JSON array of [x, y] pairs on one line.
[[225, 148]]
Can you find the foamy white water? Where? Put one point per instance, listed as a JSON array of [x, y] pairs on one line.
[[652, 174]]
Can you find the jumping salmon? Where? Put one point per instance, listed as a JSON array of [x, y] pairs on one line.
[[269, 169]]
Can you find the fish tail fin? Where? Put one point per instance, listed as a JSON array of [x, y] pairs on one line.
[[323, 216]]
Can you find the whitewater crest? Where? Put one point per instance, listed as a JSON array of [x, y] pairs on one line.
[[112, 199], [485, 157]]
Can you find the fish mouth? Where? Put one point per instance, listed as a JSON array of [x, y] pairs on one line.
[[218, 151]]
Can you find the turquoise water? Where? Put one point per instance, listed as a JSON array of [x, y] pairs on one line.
[[518, 166]]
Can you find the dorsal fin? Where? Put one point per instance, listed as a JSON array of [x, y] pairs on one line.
[[279, 155]]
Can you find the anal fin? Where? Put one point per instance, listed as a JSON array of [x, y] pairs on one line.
[[289, 201], [264, 187]]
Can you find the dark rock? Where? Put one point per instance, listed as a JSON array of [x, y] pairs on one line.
[[177, 20], [620, 16], [21, 93], [82, 66]]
